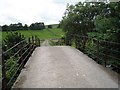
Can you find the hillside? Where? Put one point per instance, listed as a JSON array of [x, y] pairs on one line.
[[42, 34]]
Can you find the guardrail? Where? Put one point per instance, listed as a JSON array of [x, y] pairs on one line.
[[18, 56], [103, 52]]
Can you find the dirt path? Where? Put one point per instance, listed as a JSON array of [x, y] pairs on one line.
[[64, 67], [45, 43]]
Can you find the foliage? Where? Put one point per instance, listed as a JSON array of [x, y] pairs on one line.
[[60, 41], [11, 67], [19, 26], [97, 20], [10, 57], [90, 47], [49, 26], [11, 39], [37, 26], [87, 17]]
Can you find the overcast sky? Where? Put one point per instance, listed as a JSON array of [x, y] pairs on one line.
[[30, 11]]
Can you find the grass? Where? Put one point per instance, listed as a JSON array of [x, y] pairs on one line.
[[0, 37], [42, 34]]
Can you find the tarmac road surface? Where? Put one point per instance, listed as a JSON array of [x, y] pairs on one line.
[[64, 67]]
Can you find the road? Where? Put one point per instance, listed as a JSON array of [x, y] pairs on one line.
[[64, 67]]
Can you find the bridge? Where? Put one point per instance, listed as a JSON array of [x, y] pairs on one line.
[[63, 67]]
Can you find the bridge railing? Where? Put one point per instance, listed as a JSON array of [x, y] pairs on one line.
[[103, 52], [14, 59]]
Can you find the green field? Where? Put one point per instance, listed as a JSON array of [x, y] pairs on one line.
[[42, 34]]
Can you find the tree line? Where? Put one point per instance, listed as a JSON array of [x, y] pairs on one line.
[[20, 26]]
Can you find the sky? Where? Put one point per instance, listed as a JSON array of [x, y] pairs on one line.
[[31, 11]]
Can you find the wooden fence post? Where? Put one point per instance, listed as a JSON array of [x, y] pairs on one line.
[[4, 78]]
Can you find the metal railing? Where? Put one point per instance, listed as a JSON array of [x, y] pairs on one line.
[[18, 56], [103, 52]]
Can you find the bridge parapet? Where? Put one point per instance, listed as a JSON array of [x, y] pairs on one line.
[[14, 59], [103, 52]]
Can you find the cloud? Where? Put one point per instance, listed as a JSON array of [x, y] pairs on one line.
[[30, 11]]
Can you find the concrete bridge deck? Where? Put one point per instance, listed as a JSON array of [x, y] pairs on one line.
[[64, 67]]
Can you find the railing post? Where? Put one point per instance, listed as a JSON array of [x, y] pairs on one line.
[[38, 41], [29, 40], [4, 78], [32, 40], [97, 50], [33, 44], [105, 61], [30, 43], [35, 40]]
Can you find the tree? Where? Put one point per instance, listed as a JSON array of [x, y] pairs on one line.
[[5, 28], [49, 26], [14, 27], [25, 27], [37, 26], [78, 21]]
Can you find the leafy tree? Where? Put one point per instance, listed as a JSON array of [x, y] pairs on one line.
[[83, 18], [14, 27], [37, 26], [5, 28], [19, 26], [49, 26], [25, 27]]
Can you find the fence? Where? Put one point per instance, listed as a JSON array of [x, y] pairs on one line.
[[57, 41], [103, 52], [14, 59]]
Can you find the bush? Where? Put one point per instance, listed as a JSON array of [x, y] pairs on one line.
[[12, 64], [11, 39], [11, 67]]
